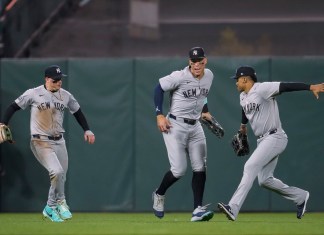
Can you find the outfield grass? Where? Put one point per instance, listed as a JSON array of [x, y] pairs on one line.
[[173, 223]]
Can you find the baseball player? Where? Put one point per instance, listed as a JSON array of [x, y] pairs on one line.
[[182, 132], [47, 103], [260, 108]]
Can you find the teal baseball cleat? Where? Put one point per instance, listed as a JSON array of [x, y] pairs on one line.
[[52, 214], [63, 210]]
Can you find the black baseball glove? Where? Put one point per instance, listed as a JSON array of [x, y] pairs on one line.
[[5, 134], [213, 126], [240, 144]]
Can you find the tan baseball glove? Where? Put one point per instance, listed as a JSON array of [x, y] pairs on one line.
[[5, 134]]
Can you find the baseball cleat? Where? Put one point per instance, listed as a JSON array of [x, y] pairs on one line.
[[201, 214], [52, 214], [158, 205], [226, 209], [302, 207], [63, 210]]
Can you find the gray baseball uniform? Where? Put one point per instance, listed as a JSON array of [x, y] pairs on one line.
[[261, 109], [46, 121], [189, 95], [47, 105], [182, 132]]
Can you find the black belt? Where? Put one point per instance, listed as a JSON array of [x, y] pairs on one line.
[[185, 120], [268, 133], [57, 137]]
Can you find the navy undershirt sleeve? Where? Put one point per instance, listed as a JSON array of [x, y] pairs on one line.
[[293, 86], [244, 118], [158, 99], [205, 108], [79, 116], [9, 112]]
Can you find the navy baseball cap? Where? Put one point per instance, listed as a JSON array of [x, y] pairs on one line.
[[245, 71], [196, 53], [54, 72]]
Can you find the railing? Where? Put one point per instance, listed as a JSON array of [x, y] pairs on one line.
[[22, 22]]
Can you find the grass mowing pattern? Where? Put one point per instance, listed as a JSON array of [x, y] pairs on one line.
[[172, 223]]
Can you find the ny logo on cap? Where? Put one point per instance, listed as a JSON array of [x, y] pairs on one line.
[[195, 52], [58, 70]]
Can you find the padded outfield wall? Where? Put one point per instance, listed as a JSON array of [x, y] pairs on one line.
[[120, 171]]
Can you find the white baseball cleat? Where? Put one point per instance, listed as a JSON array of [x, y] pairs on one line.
[[158, 205], [201, 214]]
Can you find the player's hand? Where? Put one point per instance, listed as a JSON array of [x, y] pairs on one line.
[[206, 116], [163, 123], [317, 89], [243, 129], [89, 137]]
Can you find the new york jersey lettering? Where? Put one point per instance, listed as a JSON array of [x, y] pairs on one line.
[[47, 105], [251, 107], [44, 106], [59, 106], [193, 92]]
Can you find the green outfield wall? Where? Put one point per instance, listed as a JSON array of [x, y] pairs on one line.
[[128, 160]]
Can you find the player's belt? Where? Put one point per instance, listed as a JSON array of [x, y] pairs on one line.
[[185, 120], [268, 133], [57, 137]]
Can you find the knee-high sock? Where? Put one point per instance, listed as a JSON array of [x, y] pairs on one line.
[[167, 181], [198, 187]]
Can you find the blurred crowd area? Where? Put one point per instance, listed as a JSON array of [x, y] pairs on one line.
[[150, 28]]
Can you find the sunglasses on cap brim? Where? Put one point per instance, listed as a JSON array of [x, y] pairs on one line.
[[56, 81], [196, 60]]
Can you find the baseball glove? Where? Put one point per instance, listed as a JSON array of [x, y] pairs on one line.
[[5, 134], [240, 144], [213, 126]]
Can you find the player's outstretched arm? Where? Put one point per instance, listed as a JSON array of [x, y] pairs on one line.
[[316, 89], [298, 86]]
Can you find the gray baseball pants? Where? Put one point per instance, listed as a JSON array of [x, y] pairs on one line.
[[53, 156], [262, 163]]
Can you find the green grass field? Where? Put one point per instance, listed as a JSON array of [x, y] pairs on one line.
[[172, 223]]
